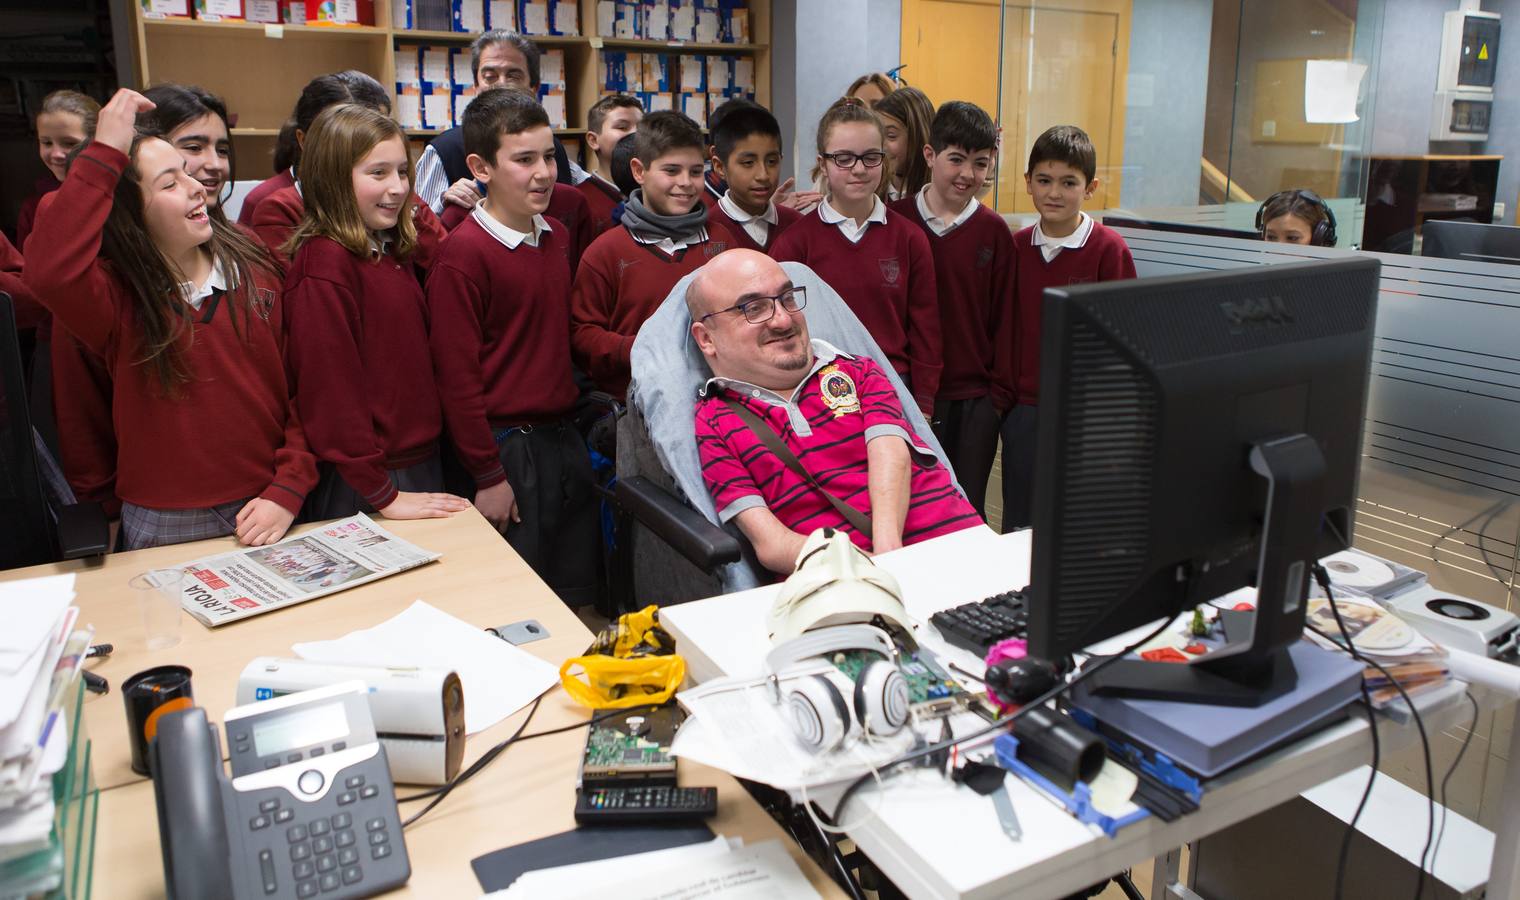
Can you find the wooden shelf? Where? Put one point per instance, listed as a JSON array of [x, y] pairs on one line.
[[255, 132], [261, 29], [678, 46], [432, 133], [465, 37], [462, 37]]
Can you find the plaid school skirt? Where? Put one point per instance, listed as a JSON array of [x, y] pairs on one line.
[[142, 527]]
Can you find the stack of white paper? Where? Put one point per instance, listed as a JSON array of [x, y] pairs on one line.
[[40, 653], [722, 867]]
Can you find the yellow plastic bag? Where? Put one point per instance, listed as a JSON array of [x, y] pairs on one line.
[[632, 662]]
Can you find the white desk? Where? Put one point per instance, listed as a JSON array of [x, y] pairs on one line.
[[936, 839]]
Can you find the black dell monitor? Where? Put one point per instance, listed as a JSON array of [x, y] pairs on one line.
[[1454, 239], [1197, 434], [1113, 221]]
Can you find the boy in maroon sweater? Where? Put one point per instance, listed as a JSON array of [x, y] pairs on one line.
[[747, 156], [974, 277], [664, 235], [499, 309], [608, 121], [1065, 247]]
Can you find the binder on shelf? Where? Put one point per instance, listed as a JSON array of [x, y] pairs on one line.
[[708, 22], [734, 17], [1077, 801], [553, 102], [619, 19], [408, 67], [294, 11], [657, 102], [409, 106], [437, 107], [693, 74], [564, 17], [655, 19], [468, 16], [656, 73], [435, 68], [683, 20], [533, 17], [694, 106], [501, 14], [551, 69], [612, 72]]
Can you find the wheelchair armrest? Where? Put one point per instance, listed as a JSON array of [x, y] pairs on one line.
[[83, 530], [680, 526]]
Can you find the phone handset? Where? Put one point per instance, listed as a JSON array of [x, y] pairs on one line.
[[186, 762]]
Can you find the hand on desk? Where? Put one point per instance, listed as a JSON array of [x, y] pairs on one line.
[[420, 505], [262, 522]]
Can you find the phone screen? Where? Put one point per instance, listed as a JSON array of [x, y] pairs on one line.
[[300, 728]]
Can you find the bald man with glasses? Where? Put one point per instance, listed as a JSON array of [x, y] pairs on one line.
[[796, 434]]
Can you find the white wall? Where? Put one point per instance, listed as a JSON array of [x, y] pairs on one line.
[[818, 48]]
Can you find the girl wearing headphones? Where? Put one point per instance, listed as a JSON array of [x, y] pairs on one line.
[[1296, 217]]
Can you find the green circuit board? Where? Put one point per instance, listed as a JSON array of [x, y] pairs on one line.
[[631, 747], [931, 690]]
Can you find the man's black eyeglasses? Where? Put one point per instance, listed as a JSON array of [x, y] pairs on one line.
[[758, 310]]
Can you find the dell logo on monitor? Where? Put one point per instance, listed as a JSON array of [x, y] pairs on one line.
[[1256, 312]]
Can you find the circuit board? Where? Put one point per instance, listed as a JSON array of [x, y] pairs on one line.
[[632, 748], [931, 690]]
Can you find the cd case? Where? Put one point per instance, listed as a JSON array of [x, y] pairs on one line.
[[1370, 575]]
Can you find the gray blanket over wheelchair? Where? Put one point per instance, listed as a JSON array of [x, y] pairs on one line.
[[668, 369]]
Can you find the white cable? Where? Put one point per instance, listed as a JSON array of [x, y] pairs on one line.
[[881, 796]]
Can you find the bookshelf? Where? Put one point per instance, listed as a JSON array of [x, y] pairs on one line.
[[259, 69]]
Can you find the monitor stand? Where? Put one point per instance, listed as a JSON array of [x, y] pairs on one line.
[[1255, 670]]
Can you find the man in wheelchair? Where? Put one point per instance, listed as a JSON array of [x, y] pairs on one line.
[[795, 434]]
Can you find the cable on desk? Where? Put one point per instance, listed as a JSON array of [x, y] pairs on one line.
[[1000, 722], [1322, 577], [1467, 739]]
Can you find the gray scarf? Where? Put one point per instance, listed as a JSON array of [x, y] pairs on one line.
[[646, 223]]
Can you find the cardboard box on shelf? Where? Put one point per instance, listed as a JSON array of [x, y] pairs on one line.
[[709, 23], [553, 101], [656, 73], [262, 10], [612, 71], [695, 106], [655, 18], [345, 13], [409, 66], [435, 68], [551, 69], [462, 97], [437, 107], [166, 9], [693, 74], [219, 10]]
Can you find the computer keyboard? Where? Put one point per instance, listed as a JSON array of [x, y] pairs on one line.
[[977, 626]]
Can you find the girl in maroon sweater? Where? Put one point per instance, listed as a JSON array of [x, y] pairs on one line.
[[185, 312], [878, 261], [356, 325]]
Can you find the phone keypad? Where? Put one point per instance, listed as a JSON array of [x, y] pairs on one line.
[[326, 852]]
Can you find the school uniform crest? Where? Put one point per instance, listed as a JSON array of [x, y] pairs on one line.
[[837, 389], [713, 248], [263, 302], [891, 270], [983, 256]]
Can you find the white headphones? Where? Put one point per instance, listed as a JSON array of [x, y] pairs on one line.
[[814, 705]]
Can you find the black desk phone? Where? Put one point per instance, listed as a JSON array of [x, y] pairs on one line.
[[308, 812]]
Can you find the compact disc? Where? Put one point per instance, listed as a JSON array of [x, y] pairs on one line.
[[1354, 570]]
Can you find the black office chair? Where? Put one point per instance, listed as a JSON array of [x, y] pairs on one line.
[[38, 516]]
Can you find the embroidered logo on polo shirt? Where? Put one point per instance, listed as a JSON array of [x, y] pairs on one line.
[[713, 248], [890, 270], [263, 302], [837, 390], [983, 256]]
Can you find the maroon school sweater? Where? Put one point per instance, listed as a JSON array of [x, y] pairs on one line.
[[29, 310], [601, 198], [620, 283], [785, 218], [500, 334], [261, 190], [360, 370], [974, 278], [566, 205], [1104, 257], [888, 281], [281, 213], [230, 433]]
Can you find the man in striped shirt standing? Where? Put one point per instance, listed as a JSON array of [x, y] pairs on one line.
[[856, 463]]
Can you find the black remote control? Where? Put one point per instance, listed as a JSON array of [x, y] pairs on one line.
[[644, 805]]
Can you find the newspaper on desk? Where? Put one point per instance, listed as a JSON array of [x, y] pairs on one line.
[[331, 558], [736, 725]]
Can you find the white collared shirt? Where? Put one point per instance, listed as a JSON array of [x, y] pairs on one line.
[[757, 227], [894, 193], [940, 226], [846, 225], [1050, 246], [510, 237], [671, 246], [217, 281]]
